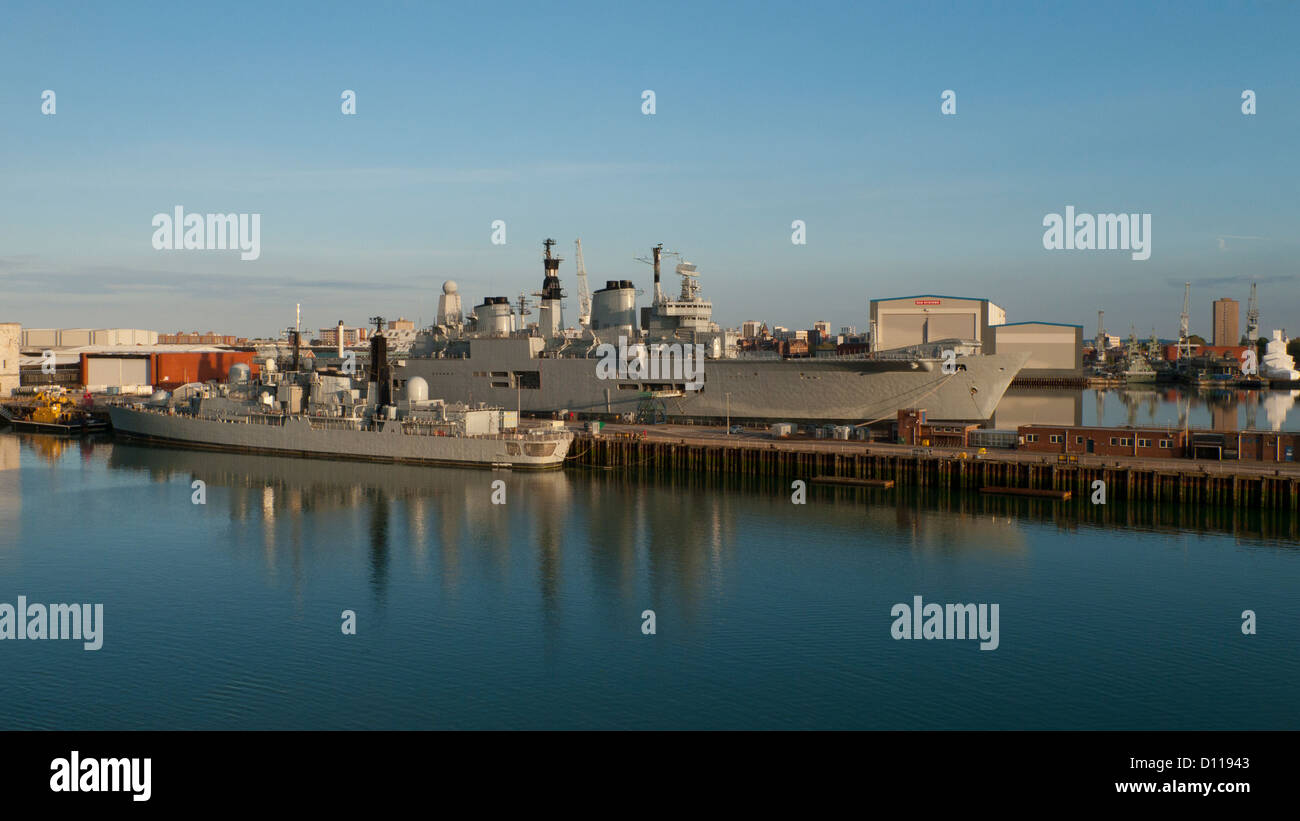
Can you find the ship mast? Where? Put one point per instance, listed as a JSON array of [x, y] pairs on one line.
[[656, 255], [1252, 317], [584, 292]]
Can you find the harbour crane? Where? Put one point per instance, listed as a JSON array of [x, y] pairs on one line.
[[1100, 342], [584, 292], [1252, 317], [1184, 324]]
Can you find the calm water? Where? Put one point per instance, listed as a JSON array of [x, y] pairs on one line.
[[1152, 405], [474, 615]]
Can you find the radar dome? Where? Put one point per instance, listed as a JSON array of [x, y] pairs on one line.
[[159, 396], [417, 390], [238, 372], [450, 286]]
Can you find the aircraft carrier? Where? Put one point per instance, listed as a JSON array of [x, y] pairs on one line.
[[489, 356]]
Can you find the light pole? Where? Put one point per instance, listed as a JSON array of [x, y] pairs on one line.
[[728, 395]]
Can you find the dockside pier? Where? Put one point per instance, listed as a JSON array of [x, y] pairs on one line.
[[668, 449]]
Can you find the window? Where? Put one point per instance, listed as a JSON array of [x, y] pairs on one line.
[[1165, 443], [1033, 437], [1055, 439], [1078, 440], [528, 380], [1114, 441], [1126, 441], [1144, 443]]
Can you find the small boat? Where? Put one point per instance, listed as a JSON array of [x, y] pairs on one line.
[[55, 412]]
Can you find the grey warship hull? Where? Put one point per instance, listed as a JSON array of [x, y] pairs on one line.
[[391, 441], [847, 390]]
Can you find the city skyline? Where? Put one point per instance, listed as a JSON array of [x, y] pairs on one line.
[[829, 115]]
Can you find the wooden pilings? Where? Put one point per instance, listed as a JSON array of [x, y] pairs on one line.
[[1175, 482]]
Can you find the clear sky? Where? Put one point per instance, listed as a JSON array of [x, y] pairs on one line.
[[532, 113]]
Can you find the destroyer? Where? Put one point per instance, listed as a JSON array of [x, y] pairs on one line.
[[322, 415], [543, 369]]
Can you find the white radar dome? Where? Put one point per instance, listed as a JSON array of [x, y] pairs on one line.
[[417, 390], [450, 287]]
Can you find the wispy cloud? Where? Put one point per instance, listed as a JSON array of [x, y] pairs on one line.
[[1236, 279], [1223, 245], [114, 280]]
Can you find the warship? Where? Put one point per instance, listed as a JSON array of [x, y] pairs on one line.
[[321, 414], [488, 355]]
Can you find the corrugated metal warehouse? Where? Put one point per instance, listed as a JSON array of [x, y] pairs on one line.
[[922, 318], [38, 338], [1055, 348]]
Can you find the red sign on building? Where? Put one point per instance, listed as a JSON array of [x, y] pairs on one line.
[[927, 301]]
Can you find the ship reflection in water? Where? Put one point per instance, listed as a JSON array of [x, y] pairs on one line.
[[294, 510]]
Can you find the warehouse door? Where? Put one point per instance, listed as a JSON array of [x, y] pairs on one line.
[[117, 370], [950, 326]]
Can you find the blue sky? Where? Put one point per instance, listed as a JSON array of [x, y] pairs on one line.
[[765, 113]]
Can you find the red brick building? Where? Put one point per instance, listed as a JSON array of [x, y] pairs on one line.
[[1232, 352], [1162, 443], [1142, 442], [913, 429]]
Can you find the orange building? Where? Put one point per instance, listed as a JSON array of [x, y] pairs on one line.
[[162, 369]]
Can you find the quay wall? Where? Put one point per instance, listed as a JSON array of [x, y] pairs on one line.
[[1177, 482]]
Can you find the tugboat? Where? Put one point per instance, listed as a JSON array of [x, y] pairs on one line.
[[56, 412]]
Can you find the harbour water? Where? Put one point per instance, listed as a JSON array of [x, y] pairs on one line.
[[1152, 405], [529, 614]]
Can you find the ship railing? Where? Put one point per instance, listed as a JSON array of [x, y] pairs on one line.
[[334, 423], [428, 430]]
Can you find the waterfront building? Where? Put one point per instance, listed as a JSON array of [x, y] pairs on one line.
[[924, 318], [1055, 349], [9, 334]]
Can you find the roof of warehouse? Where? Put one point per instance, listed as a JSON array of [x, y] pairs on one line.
[[26, 361], [1032, 322], [933, 296], [142, 350]]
